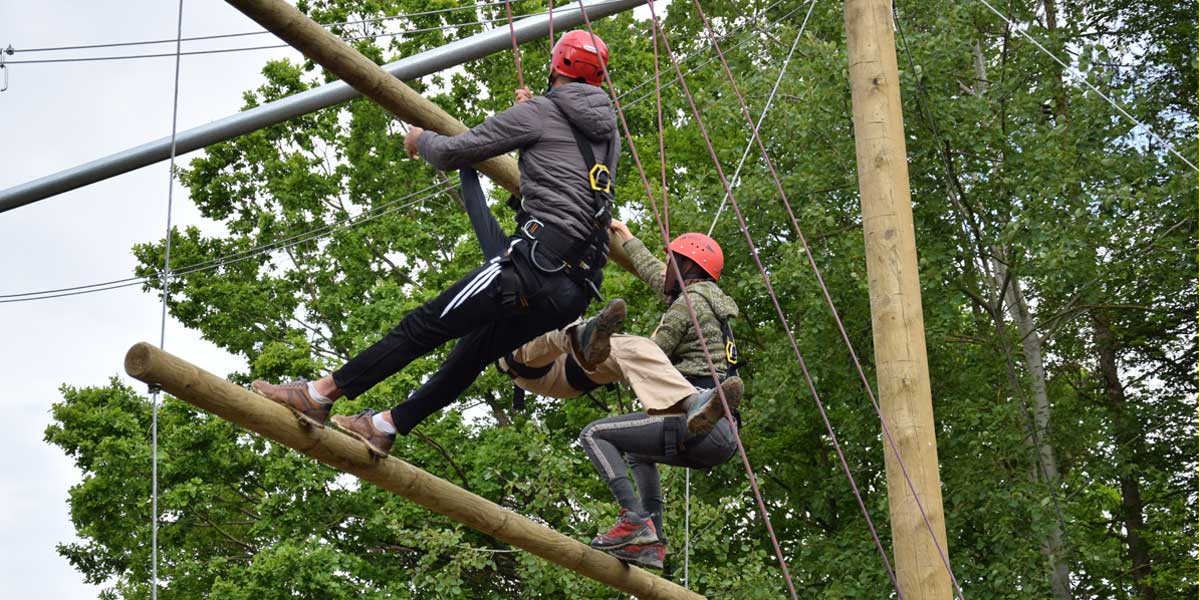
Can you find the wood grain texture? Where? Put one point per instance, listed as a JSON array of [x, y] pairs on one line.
[[343, 452], [897, 322]]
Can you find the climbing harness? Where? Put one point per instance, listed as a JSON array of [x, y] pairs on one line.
[[582, 260]]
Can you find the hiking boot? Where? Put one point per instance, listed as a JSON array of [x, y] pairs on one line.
[[706, 410], [295, 396], [361, 427], [630, 529], [642, 555], [590, 339]]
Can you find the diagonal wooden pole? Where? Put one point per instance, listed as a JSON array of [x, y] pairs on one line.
[[902, 368], [343, 452], [331, 52]]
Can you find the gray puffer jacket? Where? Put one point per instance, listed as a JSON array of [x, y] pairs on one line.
[[554, 176]]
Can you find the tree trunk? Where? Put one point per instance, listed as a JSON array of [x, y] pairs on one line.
[[1127, 437], [1053, 547]]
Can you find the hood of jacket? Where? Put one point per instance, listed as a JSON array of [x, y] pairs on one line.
[[721, 304], [588, 108]]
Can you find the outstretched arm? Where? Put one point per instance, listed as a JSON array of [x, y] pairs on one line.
[[514, 128], [487, 231], [648, 268]]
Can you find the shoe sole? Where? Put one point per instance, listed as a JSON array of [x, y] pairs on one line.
[[645, 536], [372, 448], [705, 420], [304, 419], [639, 562], [608, 322]]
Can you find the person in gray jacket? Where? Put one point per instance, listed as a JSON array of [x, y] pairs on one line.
[[547, 275]]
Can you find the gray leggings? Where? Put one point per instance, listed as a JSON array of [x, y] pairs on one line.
[[642, 440]]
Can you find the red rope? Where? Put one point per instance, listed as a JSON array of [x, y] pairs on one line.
[[825, 291], [662, 153], [774, 299], [512, 33], [691, 310], [550, 12]]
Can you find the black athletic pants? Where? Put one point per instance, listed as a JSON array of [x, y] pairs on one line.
[[485, 313], [642, 442]]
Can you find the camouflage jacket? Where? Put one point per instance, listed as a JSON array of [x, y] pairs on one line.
[[675, 334]]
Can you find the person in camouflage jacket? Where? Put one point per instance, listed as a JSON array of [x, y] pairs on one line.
[[704, 437], [675, 334]]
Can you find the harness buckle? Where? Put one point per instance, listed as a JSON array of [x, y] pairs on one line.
[[600, 178], [731, 353], [531, 227]]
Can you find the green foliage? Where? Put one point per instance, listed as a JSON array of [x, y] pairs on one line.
[[1010, 160]]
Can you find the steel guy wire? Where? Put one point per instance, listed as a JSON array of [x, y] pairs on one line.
[[12, 50], [129, 281], [687, 301], [162, 326], [247, 48], [766, 108], [1083, 79], [319, 232]]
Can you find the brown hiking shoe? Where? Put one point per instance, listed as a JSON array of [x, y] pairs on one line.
[[361, 427], [590, 339], [706, 410], [295, 396]]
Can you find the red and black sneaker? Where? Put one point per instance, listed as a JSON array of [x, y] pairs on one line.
[[642, 555], [630, 529]]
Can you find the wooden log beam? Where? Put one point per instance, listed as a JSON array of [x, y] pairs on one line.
[[345, 453], [331, 52], [897, 323]]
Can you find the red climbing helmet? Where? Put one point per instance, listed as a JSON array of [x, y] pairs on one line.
[[702, 250], [576, 56]]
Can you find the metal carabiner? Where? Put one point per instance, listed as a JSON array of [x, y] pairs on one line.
[[533, 259]]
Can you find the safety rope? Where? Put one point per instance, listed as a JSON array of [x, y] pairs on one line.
[[825, 291], [762, 117], [162, 327], [691, 310], [775, 300], [754, 252], [512, 33], [550, 21]]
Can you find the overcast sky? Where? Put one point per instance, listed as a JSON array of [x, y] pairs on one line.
[[56, 116]]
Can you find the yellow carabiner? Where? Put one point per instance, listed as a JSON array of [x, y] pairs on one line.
[[594, 178]]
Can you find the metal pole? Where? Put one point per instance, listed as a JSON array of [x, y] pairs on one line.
[[902, 367], [409, 67]]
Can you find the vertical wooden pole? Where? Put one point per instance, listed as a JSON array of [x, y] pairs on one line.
[[896, 319]]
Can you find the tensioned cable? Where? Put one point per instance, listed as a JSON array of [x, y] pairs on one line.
[[969, 233], [762, 117], [778, 309], [697, 53], [155, 392], [264, 47], [828, 299], [247, 48], [237, 257], [687, 301], [1083, 79], [261, 31], [129, 281]]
